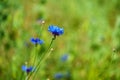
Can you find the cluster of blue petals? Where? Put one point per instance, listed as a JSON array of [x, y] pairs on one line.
[[58, 76], [37, 41], [27, 69], [64, 57], [55, 30]]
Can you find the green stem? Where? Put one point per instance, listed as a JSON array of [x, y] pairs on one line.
[[41, 58], [21, 76], [35, 57], [41, 31]]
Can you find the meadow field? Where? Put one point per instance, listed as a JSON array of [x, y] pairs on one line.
[[82, 44]]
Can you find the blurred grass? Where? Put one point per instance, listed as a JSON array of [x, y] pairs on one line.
[[92, 37]]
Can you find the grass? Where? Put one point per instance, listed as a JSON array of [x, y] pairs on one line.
[[91, 38]]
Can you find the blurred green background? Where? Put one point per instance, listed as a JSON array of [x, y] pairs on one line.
[[91, 39]]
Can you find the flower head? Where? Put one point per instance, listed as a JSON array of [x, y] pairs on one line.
[[64, 57], [37, 41], [58, 76], [55, 30], [27, 69]]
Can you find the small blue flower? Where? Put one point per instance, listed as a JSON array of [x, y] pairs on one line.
[[27, 69], [37, 41], [55, 30], [24, 68], [58, 76], [64, 57]]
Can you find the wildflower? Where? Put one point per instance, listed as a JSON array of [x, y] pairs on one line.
[[58, 76], [64, 57], [27, 69], [37, 41], [55, 30]]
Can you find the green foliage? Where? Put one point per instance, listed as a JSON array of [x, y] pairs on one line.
[[91, 38]]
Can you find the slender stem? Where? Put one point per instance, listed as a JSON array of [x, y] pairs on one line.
[[40, 60], [21, 76], [35, 57], [34, 61], [40, 31], [45, 52], [42, 57]]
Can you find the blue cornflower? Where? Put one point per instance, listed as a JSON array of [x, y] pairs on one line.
[[64, 57], [37, 41], [55, 30], [58, 76], [27, 69]]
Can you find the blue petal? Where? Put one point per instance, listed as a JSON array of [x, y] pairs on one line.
[[24, 68], [29, 69], [61, 31], [64, 57], [40, 42], [37, 41], [51, 28], [33, 40], [55, 30], [58, 75]]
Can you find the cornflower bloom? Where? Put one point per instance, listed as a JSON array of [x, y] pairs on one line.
[[37, 41], [58, 76], [27, 69], [64, 57], [55, 30]]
